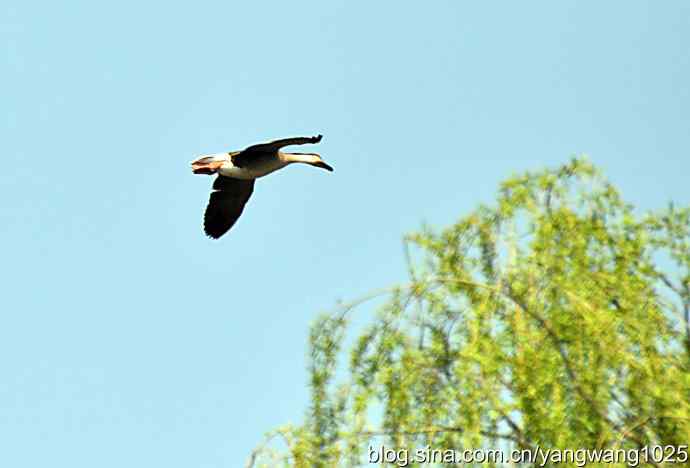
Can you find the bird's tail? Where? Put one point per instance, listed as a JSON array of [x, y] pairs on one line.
[[208, 164]]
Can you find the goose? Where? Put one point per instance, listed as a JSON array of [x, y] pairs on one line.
[[236, 172]]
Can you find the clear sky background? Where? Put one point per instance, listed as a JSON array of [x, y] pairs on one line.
[[127, 338]]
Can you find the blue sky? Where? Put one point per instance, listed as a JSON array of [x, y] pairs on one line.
[[127, 338]]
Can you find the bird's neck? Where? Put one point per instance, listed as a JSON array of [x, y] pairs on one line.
[[307, 158]]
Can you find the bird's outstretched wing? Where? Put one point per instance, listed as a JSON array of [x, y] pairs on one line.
[[268, 150], [275, 145], [226, 204]]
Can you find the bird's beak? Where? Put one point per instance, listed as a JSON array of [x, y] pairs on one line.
[[323, 165]]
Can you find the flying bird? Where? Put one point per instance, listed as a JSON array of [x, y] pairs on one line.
[[237, 171]]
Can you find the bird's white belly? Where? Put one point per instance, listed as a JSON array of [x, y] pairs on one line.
[[228, 170], [249, 172]]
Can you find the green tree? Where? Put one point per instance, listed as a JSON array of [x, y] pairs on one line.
[[556, 318]]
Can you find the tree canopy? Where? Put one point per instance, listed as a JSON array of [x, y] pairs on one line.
[[557, 317]]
